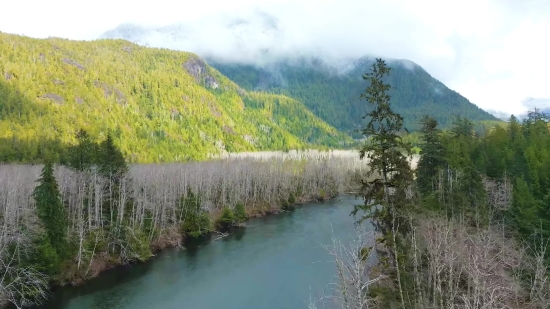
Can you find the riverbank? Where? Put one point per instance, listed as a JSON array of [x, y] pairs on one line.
[[274, 255], [153, 207], [174, 239]]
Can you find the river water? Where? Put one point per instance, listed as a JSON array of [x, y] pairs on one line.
[[275, 262]]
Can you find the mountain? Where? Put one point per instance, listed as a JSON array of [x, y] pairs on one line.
[[334, 95], [253, 57], [159, 104]]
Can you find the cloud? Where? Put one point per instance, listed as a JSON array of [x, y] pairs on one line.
[[494, 52]]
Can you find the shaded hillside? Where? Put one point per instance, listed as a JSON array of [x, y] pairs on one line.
[[160, 105], [334, 96]]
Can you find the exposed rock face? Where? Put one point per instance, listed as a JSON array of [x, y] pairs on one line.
[[111, 90], [198, 69], [228, 129], [73, 63], [54, 97], [127, 49]]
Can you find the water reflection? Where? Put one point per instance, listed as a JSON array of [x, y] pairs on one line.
[[276, 262]]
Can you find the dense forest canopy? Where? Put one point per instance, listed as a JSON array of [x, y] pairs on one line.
[[159, 105], [332, 93], [472, 231]]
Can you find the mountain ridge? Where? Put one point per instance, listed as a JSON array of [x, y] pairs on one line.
[[268, 72], [335, 96], [160, 105]]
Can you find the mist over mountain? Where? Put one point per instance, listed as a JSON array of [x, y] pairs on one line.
[[255, 55], [334, 95], [254, 37]]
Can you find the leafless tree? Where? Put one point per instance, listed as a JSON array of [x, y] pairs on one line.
[[147, 197], [20, 285], [354, 264]]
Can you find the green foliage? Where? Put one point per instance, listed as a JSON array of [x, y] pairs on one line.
[[84, 154], [292, 199], [51, 211], [448, 171], [432, 158], [137, 242], [158, 105], [526, 209], [385, 150], [390, 176], [240, 213], [44, 257], [517, 153], [227, 218], [196, 221], [333, 95], [288, 204], [111, 160]]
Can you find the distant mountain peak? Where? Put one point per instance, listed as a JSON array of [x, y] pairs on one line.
[[334, 94]]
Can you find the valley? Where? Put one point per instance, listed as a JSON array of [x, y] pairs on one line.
[[121, 160]]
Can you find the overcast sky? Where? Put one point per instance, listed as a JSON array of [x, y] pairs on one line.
[[494, 52]]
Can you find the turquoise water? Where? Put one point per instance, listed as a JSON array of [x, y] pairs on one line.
[[276, 262]]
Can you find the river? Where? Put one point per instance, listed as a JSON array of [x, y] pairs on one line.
[[275, 262]]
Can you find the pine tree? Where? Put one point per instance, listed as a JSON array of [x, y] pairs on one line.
[[432, 158], [226, 219], [50, 209], [196, 221], [390, 175], [83, 155], [240, 213], [111, 160]]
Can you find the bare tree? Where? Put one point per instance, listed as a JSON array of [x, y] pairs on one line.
[[354, 264], [147, 198], [20, 285]]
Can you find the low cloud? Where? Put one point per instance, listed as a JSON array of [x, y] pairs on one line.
[[494, 52]]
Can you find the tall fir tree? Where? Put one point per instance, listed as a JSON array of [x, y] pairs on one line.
[[432, 157], [83, 155], [111, 160], [112, 165], [50, 209], [385, 192]]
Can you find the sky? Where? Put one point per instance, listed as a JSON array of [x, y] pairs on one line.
[[493, 52]]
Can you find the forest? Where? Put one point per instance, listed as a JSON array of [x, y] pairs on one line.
[[465, 227], [332, 92], [468, 228], [158, 105], [63, 224]]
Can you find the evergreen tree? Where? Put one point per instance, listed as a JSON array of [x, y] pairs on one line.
[[240, 213], [111, 159], [50, 209], [526, 210], [82, 155], [390, 175], [226, 219], [514, 128], [196, 221], [432, 158], [112, 165]]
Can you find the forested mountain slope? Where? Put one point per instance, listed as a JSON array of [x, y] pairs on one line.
[[159, 105], [332, 93]]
